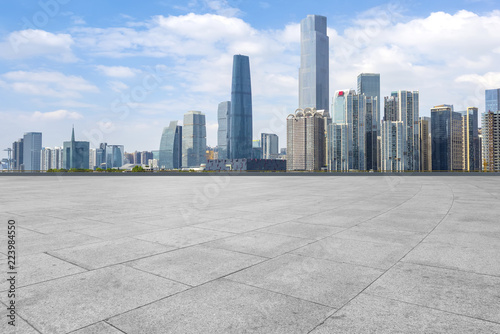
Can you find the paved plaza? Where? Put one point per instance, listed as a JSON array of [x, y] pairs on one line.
[[253, 254]]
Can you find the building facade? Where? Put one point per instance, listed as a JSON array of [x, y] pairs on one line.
[[17, 154], [491, 141], [240, 117], [170, 155], [223, 113], [425, 144], [32, 149], [447, 143], [393, 146], [314, 64], [270, 145], [194, 139], [470, 141], [492, 100], [306, 140], [76, 153], [369, 84]]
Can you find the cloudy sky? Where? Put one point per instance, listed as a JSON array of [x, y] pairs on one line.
[[120, 71]]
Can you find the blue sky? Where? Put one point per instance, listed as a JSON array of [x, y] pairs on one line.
[[122, 70]]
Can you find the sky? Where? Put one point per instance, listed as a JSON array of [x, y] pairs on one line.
[[120, 71]]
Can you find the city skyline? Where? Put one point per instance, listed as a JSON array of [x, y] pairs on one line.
[[35, 102]]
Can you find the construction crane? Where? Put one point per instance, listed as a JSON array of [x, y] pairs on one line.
[[9, 150]]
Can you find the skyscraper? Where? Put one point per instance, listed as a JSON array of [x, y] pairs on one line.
[[17, 154], [491, 140], [470, 141], [114, 156], [349, 137], [306, 139], [393, 148], [270, 145], [46, 158], [369, 84], [32, 148], [446, 134], [492, 99], [240, 118], [314, 63], [425, 144], [170, 156], [194, 141], [403, 106], [75, 153], [222, 132]]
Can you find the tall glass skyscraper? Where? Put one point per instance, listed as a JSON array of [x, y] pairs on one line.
[[240, 117], [492, 99], [170, 156], [222, 133], [446, 136], [314, 63], [32, 150], [194, 139], [369, 84], [76, 153]]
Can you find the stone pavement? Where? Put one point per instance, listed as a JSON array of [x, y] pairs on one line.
[[253, 254]]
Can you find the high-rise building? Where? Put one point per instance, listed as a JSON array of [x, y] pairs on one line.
[[403, 106], [17, 154], [57, 158], [348, 138], [425, 144], [372, 128], [46, 158], [194, 139], [240, 117], [223, 113], [314, 64], [92, 158], [76, 153], [491, 141], [492, 99], [369, 84], [171, 147], [145, 157], [338, 106], [114, 156], [32, 148], [137, 158], [393, 146], [446, 134], [470, 140], [256, 149], [270, 145], [306, 139]]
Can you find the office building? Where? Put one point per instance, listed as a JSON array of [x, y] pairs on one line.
[[425, 144], [76, 153], [372, 129], [32, 148], [339, 105], [223, 113], [393, 146], [369, 84], [403, 106], [170, 153], [240, 117], [57, 158], [256, 149], [46, 158], [492, 99], [17, 154], [137, 158], [194, 141], [346, 142], [491, 141], [446, 134], [145, 157], [270, 145], [306, 149], [114, 156], [314, 64], [470, 141]]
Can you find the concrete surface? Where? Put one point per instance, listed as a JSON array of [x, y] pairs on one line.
[[253, 254]]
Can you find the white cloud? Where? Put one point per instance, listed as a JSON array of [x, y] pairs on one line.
[[117, 86], [55, 115], [33, 43], [117, 71], [47, 84]]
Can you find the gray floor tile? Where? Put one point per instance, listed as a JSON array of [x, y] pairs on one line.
[[196, 265], [372, 254], [234, 225], [319, 281], [223, 307], [260, 244], [107, 253], [299, 230], [70, 303], [369, 314], [99, 328], [447, 290], [183, 236]]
